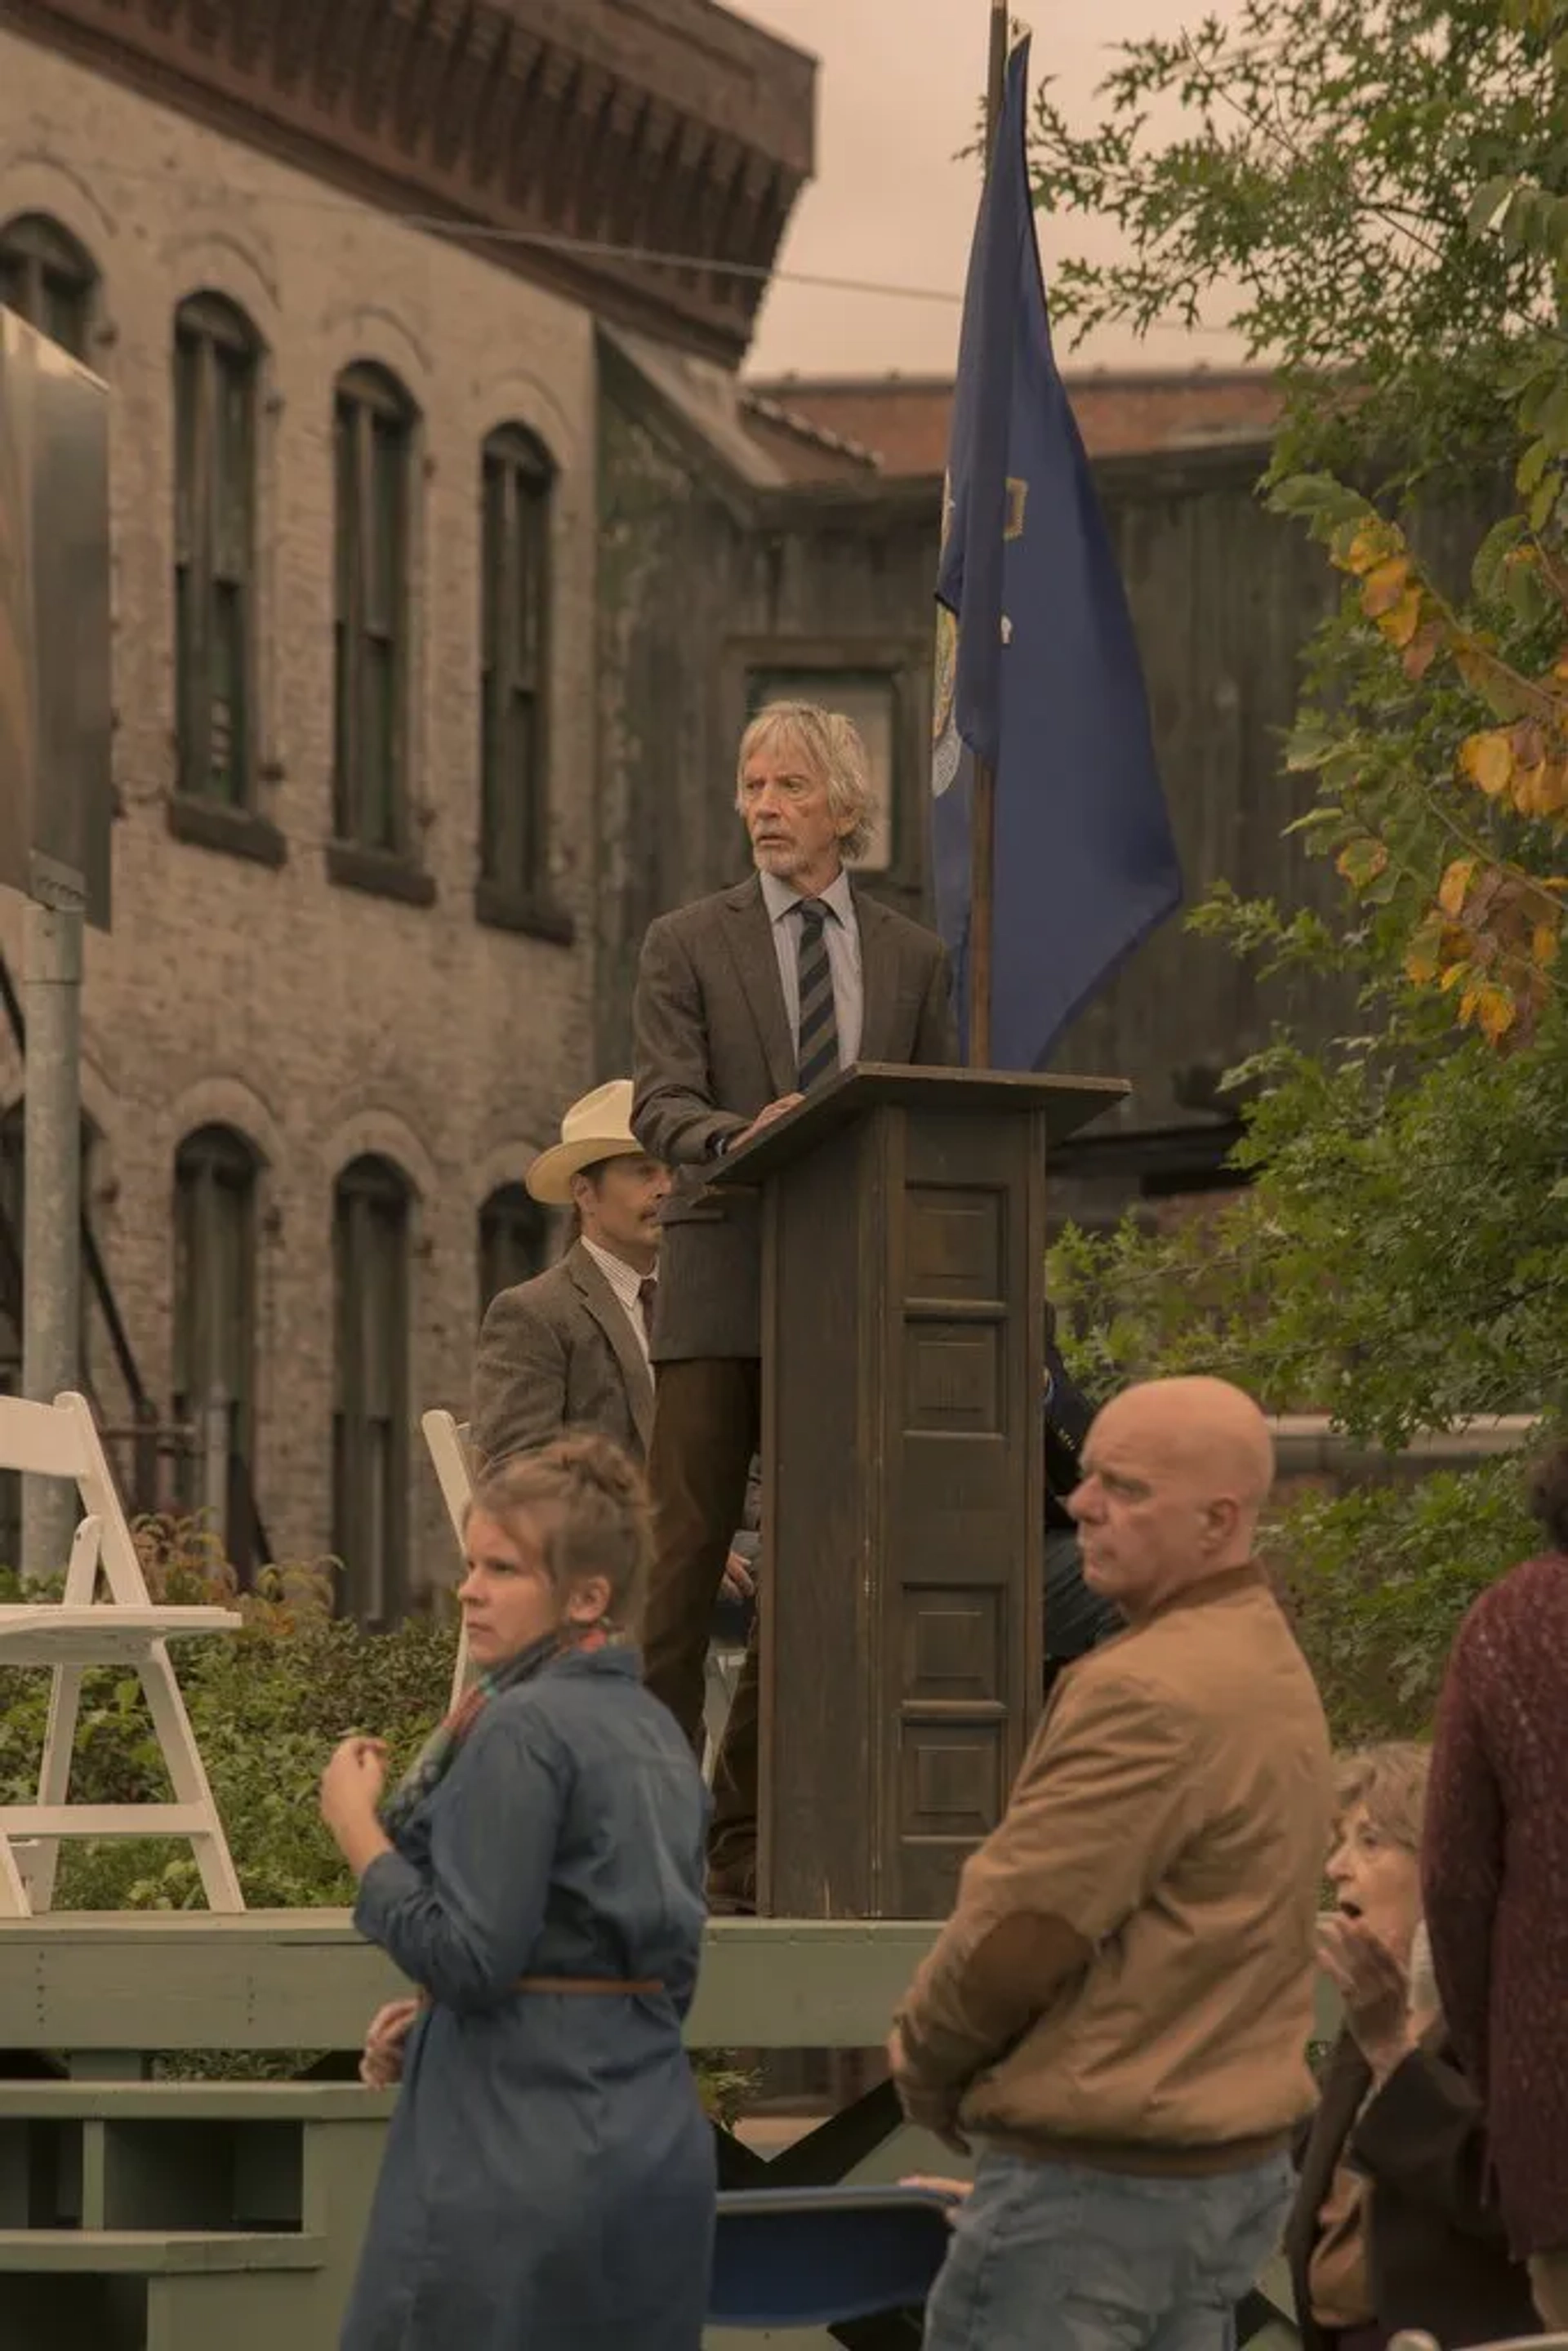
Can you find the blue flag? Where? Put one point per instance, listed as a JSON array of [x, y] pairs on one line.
[[1037, 667]]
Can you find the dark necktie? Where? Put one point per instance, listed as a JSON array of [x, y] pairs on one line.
[[817, 1053], [647, 1290]]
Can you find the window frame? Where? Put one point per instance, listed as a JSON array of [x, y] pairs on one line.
[[517, 588], [217, 333], [810, 669], [211, 1159], [50, 256], [507, 1211], [371, 409], [373, 1590]]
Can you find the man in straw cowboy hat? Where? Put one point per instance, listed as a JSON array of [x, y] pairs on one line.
[[569, 1348]]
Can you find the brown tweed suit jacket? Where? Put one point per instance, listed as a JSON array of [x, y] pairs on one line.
[[557, 1352], [713, 1047]]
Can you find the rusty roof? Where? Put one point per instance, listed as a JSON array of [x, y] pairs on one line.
[[826, 427]]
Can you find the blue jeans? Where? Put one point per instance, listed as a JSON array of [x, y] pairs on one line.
[[1056, 2257]]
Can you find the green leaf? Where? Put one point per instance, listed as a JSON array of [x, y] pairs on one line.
[[1530, 467], [1315, 820], [1543, 504], [1319, 498], [1487, 571]]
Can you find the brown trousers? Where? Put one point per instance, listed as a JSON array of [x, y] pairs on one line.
[[706, 1418]]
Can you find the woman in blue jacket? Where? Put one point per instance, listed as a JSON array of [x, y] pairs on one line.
[[549, 2175]]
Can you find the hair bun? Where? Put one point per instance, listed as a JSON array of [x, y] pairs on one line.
[[591, 1459]]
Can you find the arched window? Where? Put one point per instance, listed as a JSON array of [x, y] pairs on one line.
[[215, 1172], [371, 1217], [217, 367], [517, 488], [513, 1230], [48, 278], [374, 441]]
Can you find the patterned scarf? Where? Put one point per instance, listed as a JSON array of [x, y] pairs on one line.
[[436, 1756]]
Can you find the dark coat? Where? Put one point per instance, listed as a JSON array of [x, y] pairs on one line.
[[713, 1049], [1495, 1863], [557, 1352], [1437, 2255], [549, 2177]]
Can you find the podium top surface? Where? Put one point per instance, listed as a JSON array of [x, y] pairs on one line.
[[1068, 1104]]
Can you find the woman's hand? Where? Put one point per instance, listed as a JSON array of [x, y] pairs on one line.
[[1375, 1988], [352, 1782], [381, 2061], [957, 2191], [351, 1790]]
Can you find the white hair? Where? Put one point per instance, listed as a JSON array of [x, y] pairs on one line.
[[832, 747]]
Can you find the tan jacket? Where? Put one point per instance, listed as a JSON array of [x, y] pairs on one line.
[[557, 1352], [1172, 1811]]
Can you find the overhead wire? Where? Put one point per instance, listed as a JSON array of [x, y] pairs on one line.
[[455, 227]]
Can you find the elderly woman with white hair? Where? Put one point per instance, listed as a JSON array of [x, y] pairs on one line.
[[1391, 2226]]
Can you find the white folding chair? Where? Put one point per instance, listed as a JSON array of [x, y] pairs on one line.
[[69, 1636], [722, 1674], [448, 1439]]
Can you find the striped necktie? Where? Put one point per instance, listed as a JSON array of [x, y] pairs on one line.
[[817, 1052]]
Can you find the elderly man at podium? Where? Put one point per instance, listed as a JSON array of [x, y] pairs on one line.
[[746, 1000]]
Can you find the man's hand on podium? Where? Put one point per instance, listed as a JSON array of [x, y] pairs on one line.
[[764, 1118]]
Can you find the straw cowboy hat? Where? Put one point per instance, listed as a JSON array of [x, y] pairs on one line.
[[597, 1127]]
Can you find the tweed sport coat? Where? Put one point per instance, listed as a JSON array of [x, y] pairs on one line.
[[713, 1047], [557, 1352]]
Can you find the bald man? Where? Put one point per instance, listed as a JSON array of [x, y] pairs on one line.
[[1116, 2016]]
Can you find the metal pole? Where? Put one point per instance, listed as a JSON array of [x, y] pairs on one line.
[[215, 1464], [51, 1247], [983, 800]]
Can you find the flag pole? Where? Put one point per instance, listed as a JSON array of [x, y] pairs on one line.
[[983, 804]]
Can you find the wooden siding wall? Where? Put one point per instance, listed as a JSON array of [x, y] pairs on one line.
[[701, 579]]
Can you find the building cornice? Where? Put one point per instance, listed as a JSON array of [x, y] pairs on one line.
[[675, 128]]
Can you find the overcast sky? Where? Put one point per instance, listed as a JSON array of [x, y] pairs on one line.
[[898, 92]]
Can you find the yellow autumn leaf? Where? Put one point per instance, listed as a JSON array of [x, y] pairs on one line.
[[1551, 791], [1454, 974], [1495, 1010], [1544, 941], [1487, 760], [1371, 544], [1456, 886], [1360, 863], [1423, 956], [1400, 623], [1384, 586], [1527, 788]]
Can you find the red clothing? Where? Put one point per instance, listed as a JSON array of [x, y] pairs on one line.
[[1496, 1873]]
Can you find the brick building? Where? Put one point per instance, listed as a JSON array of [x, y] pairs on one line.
[[350, 980]]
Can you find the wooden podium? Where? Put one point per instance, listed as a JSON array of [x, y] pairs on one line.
[[903, 1277]]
